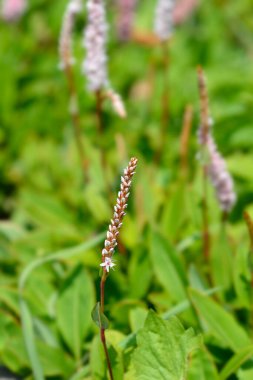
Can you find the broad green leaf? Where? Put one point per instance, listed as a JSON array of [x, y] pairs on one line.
[[246, 373], [97, 360], [219, 322], [202, 366], [55, 361], [74, 307], [137, 318], [163, 349], [236, 362], [167, 273]]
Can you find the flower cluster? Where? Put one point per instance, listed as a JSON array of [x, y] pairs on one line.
[[65, 43], [220, 177], [183, 10], [164, 19], [119, 212], [12, 10], [125, 18], [95, 63], [215, 164]]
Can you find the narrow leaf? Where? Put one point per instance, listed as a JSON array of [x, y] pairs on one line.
[[222, 324], [236, 361]]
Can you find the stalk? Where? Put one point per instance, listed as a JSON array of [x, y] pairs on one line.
[[164, 100], [184, 140], [205, 226], [75, 120], [111, 242], [67, 59], [203, 138], [102, 330]]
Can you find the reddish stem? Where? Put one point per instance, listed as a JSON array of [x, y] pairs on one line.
[[102, 330]]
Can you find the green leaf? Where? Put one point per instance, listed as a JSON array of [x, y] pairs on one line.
[[29, 339], [97, 360], [163, 349], [165, 268], [74, 307], [174, 216], [202, 366], [55, 361], [63, 254], [99, 318], [242, 277], [140, 273], [81, 374], [236, 362], [137, 318], [221, 262], [220, 323]]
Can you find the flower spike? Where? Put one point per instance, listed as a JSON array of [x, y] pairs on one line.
[[119, 212]]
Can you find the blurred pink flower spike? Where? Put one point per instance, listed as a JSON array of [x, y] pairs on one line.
[[12, 10], [183, 10], [108, 264], [125, 18], [95, 38]]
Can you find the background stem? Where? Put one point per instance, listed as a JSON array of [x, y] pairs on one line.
[[206, 235], [75, 120]]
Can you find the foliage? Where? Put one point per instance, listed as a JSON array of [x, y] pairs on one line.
[[46, 299]]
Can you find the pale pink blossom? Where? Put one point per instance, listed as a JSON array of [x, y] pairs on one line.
[[65, 42], [95, 37], [125, 18], [108, 264], [163, 25], [217, 171], [183, 10], [12, 10]]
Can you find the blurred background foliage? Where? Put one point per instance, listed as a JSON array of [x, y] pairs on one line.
[[52, 226]]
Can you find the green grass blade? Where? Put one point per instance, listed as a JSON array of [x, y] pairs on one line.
[[28, 334], [236, 361]]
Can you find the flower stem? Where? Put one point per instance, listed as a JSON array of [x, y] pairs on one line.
[[164, 101], [100, 129], [102, 330], [184, 140], [75, 119], [206, 234]]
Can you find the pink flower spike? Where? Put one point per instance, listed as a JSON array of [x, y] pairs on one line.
[[108, 264], [12, 10]]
